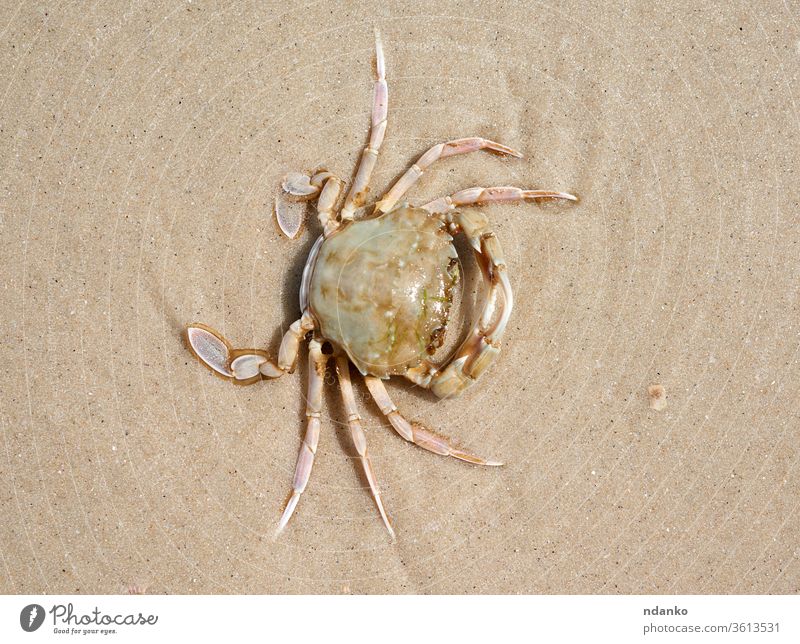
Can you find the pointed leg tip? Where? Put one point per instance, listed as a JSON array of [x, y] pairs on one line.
[[287, 513], [547, 195], [466, 457], [505, 149], [280, 527], [499, 148], [388, 525], [380, 63], [511, 152], [384, 516]]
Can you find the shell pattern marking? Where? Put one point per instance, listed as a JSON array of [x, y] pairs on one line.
[[382, 289], [377, 292]]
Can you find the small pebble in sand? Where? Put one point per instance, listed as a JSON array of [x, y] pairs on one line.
[[658, 398]]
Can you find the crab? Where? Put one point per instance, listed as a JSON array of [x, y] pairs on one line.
[[376, 292]]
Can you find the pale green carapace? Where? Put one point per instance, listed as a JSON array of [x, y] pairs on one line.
[[382, 289]]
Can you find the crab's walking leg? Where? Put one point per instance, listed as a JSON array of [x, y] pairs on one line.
[[305, 459], [369, 157], [246, 366], [303, 187], [359, 439], [482, 345], [440, 151], [327, 201], [481, 196], [414, 432]]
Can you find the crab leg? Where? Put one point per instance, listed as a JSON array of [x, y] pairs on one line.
[[414, 432], [482, 345], [481, 196], [246, 366], [369, 157], [440, 151], [302, 187], [305, 459], [359, 439], [327, 200]]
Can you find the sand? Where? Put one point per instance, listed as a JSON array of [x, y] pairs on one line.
[[141, 150]]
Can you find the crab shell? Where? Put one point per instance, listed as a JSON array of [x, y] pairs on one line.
[[380, 289]]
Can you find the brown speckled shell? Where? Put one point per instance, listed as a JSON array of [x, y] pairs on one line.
[[382, 288]]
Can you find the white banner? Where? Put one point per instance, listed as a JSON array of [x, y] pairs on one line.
[[381, 619]]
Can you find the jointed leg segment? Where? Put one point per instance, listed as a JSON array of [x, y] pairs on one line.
[[359, 439], [302, 187], [369, 157], [305, 459], [246, 366], [481, 196], [414, 432], [440, 151], [482, 346], [325, 205]]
